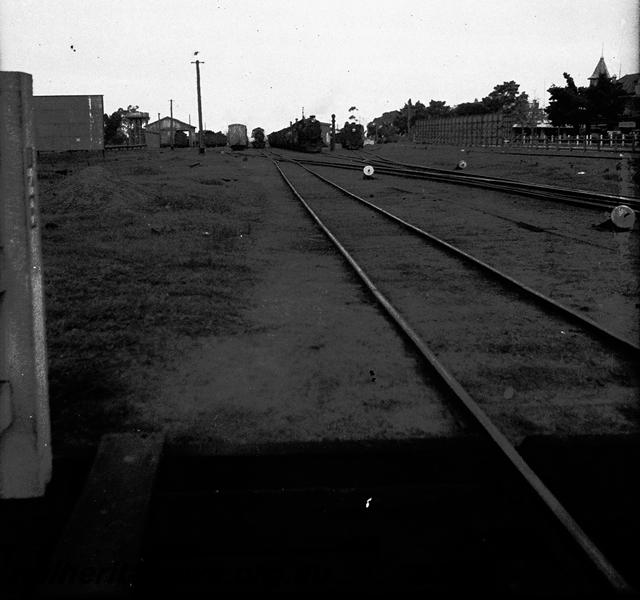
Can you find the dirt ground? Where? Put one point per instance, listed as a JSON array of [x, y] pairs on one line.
[[192, 294]]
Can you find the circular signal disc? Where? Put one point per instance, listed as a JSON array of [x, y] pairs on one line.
[[623, 216], [368, 170], [462, 164]]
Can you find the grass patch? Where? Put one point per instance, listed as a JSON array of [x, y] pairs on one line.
[[131, 264]]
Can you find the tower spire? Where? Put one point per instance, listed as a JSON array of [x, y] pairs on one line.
[[601, 69]]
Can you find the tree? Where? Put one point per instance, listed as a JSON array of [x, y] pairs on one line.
[[113, 129], [567, 105], [528, 114], [409, 113], [505, 97], [438, 108], [469, 108], [117, 127], [605, 102], [383, 125], [600, 105], [354, 115]]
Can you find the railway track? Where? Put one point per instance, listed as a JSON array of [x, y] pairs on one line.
[[376, 246], [560, 194], [384, 166]]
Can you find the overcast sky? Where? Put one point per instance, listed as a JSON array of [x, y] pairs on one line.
[[266, 59]]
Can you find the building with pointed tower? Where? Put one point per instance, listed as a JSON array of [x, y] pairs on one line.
[[631, 86], [601, 69], [631, 116]]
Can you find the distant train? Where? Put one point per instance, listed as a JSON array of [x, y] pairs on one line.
[[237, 136], [258, 138], [304, 135], [212, 139], [352, 136], [181, 139]]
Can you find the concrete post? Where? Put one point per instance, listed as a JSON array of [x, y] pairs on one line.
[[25, 448]]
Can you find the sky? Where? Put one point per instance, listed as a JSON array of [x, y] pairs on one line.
[[266, 60]]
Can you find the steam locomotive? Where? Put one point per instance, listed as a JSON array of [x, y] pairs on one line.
[[352, 136], [304, 135], [258, 138]]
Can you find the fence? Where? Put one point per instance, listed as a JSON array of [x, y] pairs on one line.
[[496, 129], [622, 141], [472, 130]]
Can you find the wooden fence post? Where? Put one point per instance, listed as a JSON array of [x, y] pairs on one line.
[[25, 449]]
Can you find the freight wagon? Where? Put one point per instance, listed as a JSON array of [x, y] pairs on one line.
[[237, 136]]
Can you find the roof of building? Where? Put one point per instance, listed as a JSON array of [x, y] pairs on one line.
[[69, 96], [137, 114], [177, 123], [631, 83], [601, 69]]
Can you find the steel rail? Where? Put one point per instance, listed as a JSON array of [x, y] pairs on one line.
[[546, 302], [519, 223], [541, 191], [584, 194], [483, 183], [576, 533], [581, 198]]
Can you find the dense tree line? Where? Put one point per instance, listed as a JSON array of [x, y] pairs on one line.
[[504, 97], [600, 105]]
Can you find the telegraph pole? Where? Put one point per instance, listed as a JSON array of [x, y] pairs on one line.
[[171, 124], [332, 144], [200, 136]]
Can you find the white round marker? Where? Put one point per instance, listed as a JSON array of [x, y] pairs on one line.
[[368, 170], [623, 217], [462, 164]]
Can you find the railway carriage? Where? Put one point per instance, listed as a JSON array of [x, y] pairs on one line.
[[237, 136], [304, 135]]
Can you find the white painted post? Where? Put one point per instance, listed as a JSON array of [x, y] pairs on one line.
[[25, 448]]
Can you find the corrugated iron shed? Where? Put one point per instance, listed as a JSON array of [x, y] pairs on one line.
[[68, 123], [163, 127]]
